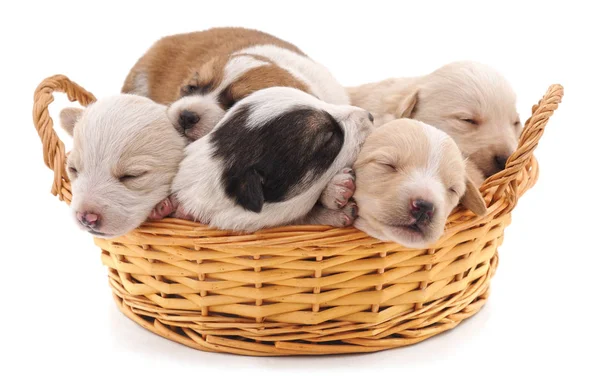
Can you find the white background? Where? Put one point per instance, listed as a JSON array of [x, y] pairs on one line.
[[57, 317]]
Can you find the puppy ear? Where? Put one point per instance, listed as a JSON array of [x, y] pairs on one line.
[[472, 199], [407, 105], [474, 173], [247, 190], [69, 117]]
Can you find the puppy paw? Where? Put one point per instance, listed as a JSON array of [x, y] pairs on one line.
[[339, 190], [345, 216], [163, 209], [342, 217]]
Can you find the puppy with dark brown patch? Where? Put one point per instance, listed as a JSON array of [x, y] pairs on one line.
[[268, 161], [208, 72]]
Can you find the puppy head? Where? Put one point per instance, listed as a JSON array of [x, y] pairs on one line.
[[475, 105], [124, 157], [409, 177], [218, 85], [280, 142]]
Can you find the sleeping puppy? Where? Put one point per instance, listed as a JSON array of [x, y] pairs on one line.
[[471, 102], [409, 177], [267, 162], [125, 155], [214, 69]]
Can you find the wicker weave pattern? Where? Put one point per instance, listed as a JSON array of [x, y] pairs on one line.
[[302, 290]]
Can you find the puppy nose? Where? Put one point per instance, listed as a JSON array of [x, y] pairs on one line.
[[187, 119], [88, 219], [371, 118], [422, 211], [500, 162]]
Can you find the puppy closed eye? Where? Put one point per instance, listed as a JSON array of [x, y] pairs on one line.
[[389, 167], [470, 121], [131, 177], [453, 191], [189, 89], [73, 171], [387, 160]]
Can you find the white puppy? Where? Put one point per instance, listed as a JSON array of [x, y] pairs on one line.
[[267, 162], [124, 158], [409, 177], [471, 102]]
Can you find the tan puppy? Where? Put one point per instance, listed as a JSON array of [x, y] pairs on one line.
[[471, 102], [409, 177], [208, 72]]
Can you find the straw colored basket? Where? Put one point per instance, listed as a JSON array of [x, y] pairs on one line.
[[302, 290]]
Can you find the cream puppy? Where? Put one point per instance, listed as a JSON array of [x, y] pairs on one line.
[[471, 102], [267, 162], [409, 177], [125, 155]]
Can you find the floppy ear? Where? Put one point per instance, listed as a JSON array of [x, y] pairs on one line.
[[247, 190], [472, 199], [474, 173], [69, 117], [406, 107]]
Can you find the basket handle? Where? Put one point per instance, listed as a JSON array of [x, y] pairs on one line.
[[505, 182], [53, 147]]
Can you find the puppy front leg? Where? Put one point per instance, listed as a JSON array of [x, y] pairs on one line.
[[339, 190], [163, 209], [342, 217], [169, 207]]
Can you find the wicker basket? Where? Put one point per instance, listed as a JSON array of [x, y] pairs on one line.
[[302, 290]]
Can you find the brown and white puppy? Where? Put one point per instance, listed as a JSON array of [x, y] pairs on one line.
[[208, 72], [125, 155], [471, 102], [409, 177], [267, 162]]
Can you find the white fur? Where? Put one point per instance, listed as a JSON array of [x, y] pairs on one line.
[[321, 82], [237, 66], [140, 84], [280, 100]]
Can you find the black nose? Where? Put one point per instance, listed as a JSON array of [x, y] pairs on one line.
[[422, 211], [371, 118], [187, 119], [500, 162]]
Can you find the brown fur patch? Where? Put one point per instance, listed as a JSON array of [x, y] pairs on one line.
[[167, 65], [210, 75], [206, 79], [256, 79]]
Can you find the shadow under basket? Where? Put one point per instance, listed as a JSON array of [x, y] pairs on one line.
[[302, 290]]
